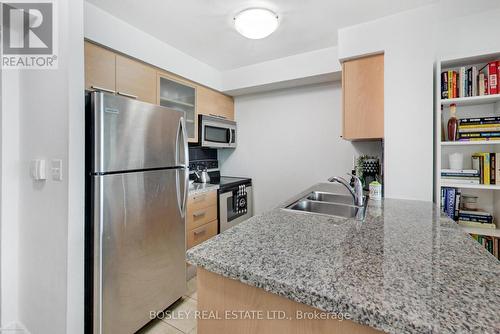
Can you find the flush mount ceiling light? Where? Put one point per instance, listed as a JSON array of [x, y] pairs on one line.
[[256, 23]]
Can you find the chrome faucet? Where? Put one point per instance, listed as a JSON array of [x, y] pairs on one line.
[[356, 192]]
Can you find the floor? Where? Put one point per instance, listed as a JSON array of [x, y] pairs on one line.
[[185, 306]]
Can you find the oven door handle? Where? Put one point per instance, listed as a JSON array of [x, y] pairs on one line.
[[230, 136]]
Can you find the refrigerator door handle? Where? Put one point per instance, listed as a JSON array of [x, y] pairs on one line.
[[178, 191], [182, 197], [181, 160], [181, 145]]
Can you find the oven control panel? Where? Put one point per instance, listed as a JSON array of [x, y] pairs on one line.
[[241, 201]]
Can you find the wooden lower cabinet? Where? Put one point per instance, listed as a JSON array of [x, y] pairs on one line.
[[202, 233], [201, 201], [219, 295], [201, 218]]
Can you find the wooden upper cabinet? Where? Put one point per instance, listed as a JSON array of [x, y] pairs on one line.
[[134, 78], [363, 98], [109, 71], [180, 95], [99, 68], [213, 103]]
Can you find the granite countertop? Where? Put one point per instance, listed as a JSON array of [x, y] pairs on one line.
[[405, 269], [199, 188]]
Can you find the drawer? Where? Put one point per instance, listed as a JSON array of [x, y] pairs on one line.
[[196, 218], [201, 201], [202, 233]]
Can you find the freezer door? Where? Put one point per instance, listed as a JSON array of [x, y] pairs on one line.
[[139, 252], [133, 135]]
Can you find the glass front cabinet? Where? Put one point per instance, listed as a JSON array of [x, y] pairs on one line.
[[180, 96]]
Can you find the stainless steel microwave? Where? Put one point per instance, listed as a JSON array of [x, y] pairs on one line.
[[217, 132]]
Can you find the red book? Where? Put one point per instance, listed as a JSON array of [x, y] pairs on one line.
[[493, 78], [498, 76], [455, 86]]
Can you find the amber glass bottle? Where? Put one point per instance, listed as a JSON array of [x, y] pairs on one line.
[[453, 123]]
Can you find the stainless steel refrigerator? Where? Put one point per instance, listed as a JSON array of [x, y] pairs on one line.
[[136, 192]]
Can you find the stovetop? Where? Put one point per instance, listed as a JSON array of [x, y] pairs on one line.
[[226, 182], [212, 165]]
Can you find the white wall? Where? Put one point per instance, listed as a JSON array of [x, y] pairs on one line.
[[315, 66], [457, 39], [42, 265], [9, 198], [106, 29], [75, 170], [412, 41], [288, 140], [309, 67], [408, 44]]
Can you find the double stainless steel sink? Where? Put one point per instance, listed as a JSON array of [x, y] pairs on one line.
[[329, 204]]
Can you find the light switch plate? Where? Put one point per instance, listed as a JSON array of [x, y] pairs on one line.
[[37, 170], [56, 169]]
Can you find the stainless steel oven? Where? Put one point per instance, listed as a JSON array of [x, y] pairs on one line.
[[235, 205], [217, 132]]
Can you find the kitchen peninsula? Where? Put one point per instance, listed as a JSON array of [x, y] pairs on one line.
[[404, 269]]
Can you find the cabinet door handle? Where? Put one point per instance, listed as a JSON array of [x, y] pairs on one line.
[[103, 89], [199, 214], [127, 95], [200, 233], [200, 198], [218, 116]]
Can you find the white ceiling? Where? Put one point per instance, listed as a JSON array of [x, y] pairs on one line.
[[204, 29]]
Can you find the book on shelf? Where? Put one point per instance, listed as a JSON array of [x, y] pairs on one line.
[[444, 85], [477, 225], [479, 120], [457, 173], [488, 166], [461, 176], [493, 78], [450, 201], [482, 84], [454, 86], [493, 169], [462, 82], [471, 81], [479, 128], [465, 135], [478, 139], [491, 244], [477, 218], [475, 213], [451, 92], [461, 180], [475, 76]]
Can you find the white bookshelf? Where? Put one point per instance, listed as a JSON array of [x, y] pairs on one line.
[[470, 143], [471, 101], [477, 106], [470, 186], [482, 231]]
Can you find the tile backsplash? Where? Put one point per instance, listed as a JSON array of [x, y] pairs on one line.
[[202, 153]]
